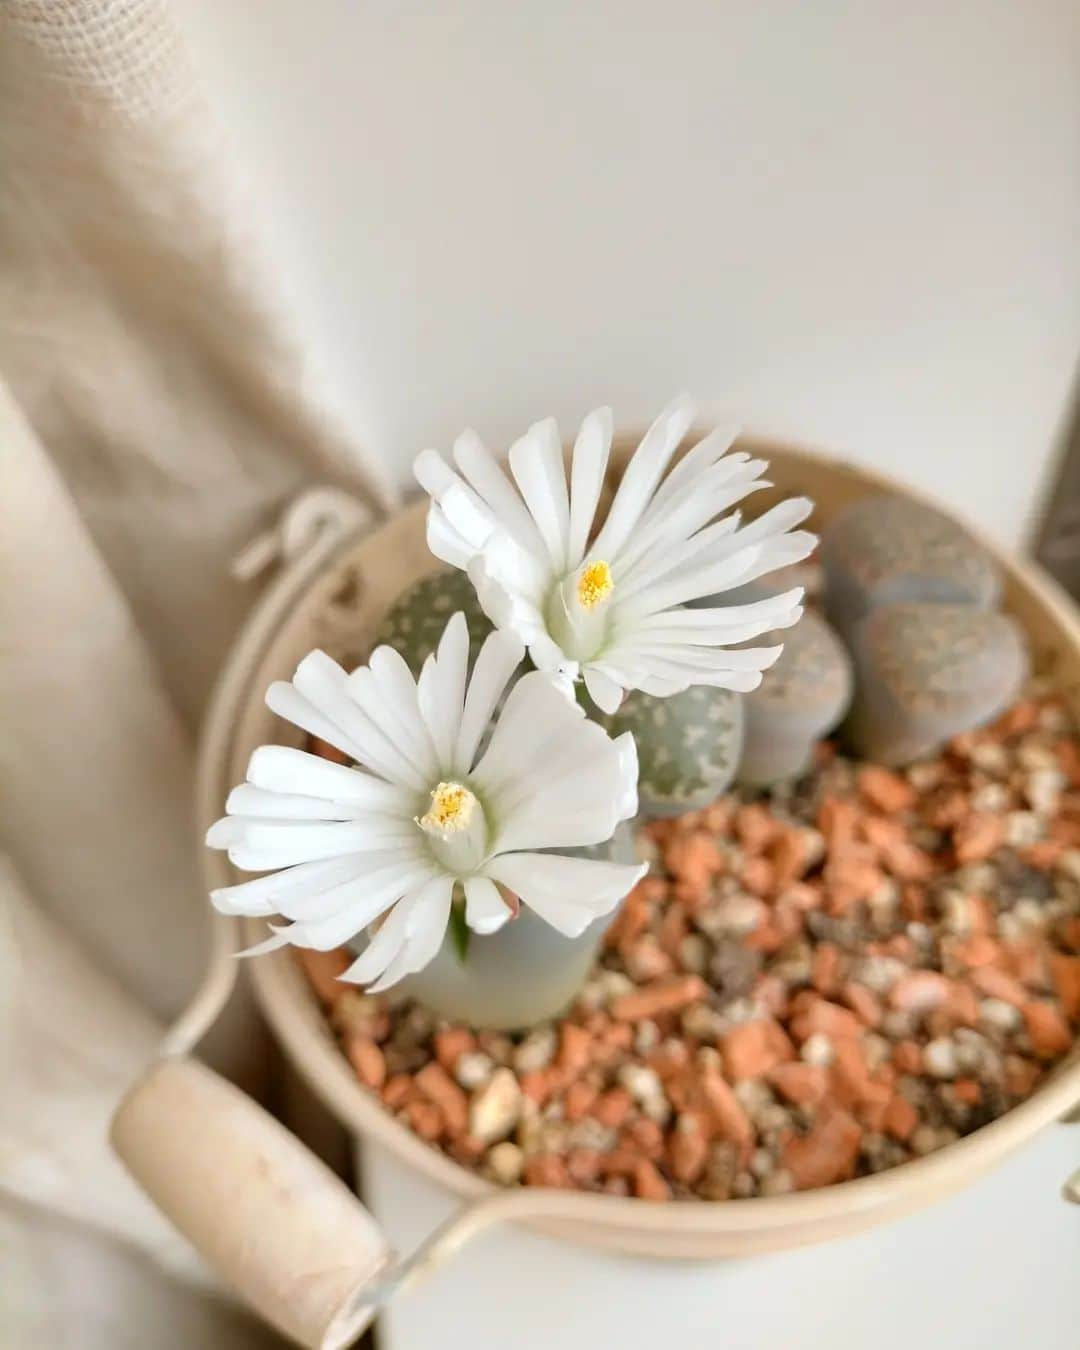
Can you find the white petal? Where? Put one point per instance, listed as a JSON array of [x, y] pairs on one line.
[[569, 893], [266, 895], [642, 474], [427, 920], [568, 794], [278, 938], [535, 722], [537, 465], [326, 687], [604, 692], [485, 909], [463, 509], [247, 800], [383, 946], [282, 698], [445, 542], [386, 691], [492, 485], [441, 690], [280, 768], [708, 451], [626, 807], [365, 896], [589, 464], [260, 845], [496, 662]]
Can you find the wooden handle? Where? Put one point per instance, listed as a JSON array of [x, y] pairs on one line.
[[271, 1219]]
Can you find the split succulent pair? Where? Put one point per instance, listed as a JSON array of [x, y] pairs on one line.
[[455, 799]]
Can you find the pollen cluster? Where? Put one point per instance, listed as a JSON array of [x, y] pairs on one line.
[[594, 585]]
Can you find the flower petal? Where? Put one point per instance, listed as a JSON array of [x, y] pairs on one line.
[[569, 893], [326, 687], [591, 451], [496, 662], [280, 768], [604, 692], [485, 909], [537, 465], [266, 895], [428, 915], [441, 691], [642, 474]]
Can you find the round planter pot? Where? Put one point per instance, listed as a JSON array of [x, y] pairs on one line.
[[337, 606]]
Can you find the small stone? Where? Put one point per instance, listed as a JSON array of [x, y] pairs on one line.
[[818, 1049], [495, 1109], [367, 1060], [473, 1070], [536, 1051], [939, 1058], [505, 1163]]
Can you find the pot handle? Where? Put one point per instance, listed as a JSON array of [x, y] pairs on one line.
[[267, 1215]]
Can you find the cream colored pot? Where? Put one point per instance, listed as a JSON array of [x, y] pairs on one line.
[[333, 596]]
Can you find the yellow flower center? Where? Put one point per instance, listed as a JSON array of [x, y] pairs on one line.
[[451, 809], [594, 585]]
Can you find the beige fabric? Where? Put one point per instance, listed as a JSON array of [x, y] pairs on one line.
[[154, 416]]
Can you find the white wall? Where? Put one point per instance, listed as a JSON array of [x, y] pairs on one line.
[[854, 224]]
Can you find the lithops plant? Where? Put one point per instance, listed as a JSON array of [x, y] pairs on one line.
[[925, 672], [415, 621], [800, 699], [688, 746], [888, 550]]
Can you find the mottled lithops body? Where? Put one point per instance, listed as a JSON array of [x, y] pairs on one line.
[[926, 672], [688, 746], [888, 550], [415, 621], [800, 699]]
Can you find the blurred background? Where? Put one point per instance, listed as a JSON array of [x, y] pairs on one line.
[[854, 225]]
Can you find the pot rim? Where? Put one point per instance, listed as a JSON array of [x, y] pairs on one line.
[[291, 1007]]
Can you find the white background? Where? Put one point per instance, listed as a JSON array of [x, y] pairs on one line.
[[853, 224]]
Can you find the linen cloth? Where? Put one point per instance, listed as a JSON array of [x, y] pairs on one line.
[[154, 416]]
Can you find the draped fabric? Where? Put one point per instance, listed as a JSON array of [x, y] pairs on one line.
[[155, 415]]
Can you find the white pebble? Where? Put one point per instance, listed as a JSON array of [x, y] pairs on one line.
[[818, 1049], [995, 1012], [505, 1163], [536, 1051], [940, 1059], [495, 1109], [1043, 789], [474, 1069], [1022, 829]]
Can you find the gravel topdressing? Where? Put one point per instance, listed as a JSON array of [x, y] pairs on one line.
[[818, 983]]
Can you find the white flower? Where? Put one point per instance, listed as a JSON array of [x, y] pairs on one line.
[[427, 808], [614, 607]]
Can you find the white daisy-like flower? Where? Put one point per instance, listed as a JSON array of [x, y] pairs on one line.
[[614, 607], [433, 804]]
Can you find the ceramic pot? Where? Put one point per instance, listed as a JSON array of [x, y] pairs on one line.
[[339, 609]]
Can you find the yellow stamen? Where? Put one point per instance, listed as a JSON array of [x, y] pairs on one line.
[[450, 811], [594, 585]]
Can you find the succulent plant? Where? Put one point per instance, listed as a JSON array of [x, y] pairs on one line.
[[688, 746], [927, 672], [888, 550], [415, 621]]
